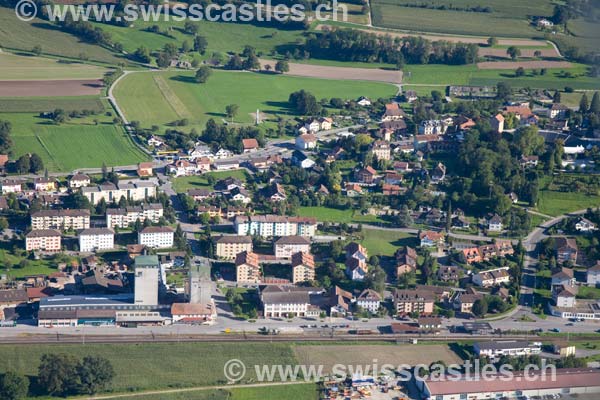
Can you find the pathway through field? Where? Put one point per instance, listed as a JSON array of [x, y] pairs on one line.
[[175, 102]]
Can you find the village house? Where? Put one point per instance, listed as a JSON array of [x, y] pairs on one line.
[[529, 161], [463, 302], [392, 112], [363, 101], [413, 301], [201, 150], [366, 175], [226, 165], [584, 225], [326, 123], [557, 111], [494, 223], [200, 194], [275, 193], [193, 313], [312, 125], [340, 302], [45, 184], [439, 173], [250, 145], [352, 189], [431, 239], [306, 141], [243, 196], [497, 123], [156, 237], [356, 261], [95, 239], [285, 246], [471, 255], [369, 300], [563, 277], [381, 150], [79, 180], [593, 275], [302, 160], [69, 219], [564, 296], [247, 268], [303, 267], [566, 250], [223, 153], [432, 127], [447, 273], [44, 240], [12, 186], [492, 277], [155, 141], [211, 211], [391, 190], [145, 169], [392, 127], [406, 261]]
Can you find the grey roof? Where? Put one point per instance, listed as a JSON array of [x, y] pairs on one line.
[[234, 239], [293, 240], [13, 295], [96, 231], [286, 298], [43, 233], [146, 261]]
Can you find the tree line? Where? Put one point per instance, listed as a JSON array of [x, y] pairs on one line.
[[355, 45]]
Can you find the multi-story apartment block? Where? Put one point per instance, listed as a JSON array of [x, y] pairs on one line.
[[247, 267], [287, 301], [286, 246], [511, 348], [230, 246], [158, 237], [492, 277], [303, 267], [60, 219], [94, 239], [409, 301], [43, 239], [275, 225], [138, 191], [79, 180], [12, 186], [124, 217]]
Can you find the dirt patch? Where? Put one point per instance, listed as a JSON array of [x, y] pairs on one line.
[[523, 64], [50, 88], [501, 53], [346, 73], [454, 39], [357, 355]]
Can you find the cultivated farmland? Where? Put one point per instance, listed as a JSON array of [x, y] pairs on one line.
[[507, 18], [143, 100], [16, 67], [88, 87]]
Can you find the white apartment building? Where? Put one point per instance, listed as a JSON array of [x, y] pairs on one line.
[[288, 245], [157, 237], [94, 239], [275, 226], [369, 300], [492, 277], [43, 239], [137, 191], [60, 219], [124, 217], [286, 302]]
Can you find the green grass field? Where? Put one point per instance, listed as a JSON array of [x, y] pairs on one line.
[[33, 267], [142, 99], [508, 18], [557, 203], [19, 35], [183, 183], [76, 144], [383, 242], [158, 365], [435, 74], [16, 67], [221, 36]]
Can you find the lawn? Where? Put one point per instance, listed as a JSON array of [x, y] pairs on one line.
[[19, 35], [33, 267], [78, 143], [325, 214], [16, 67], [147, 366], [557, 203], [161, 98], [435, 74], [383, 242], [183, 183], [508, 18]]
